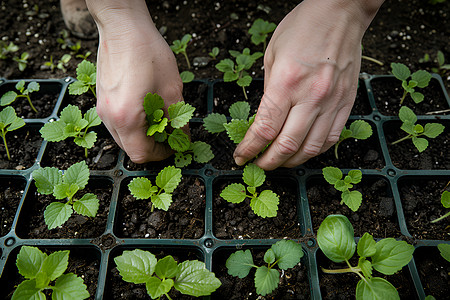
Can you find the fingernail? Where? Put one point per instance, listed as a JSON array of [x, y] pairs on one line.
[[239, 161]]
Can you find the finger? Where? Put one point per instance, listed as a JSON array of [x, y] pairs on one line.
[[336, 128]]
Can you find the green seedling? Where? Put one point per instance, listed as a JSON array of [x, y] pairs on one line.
[[260, 30], [179, 46], [214, 52], [387, 256], [358, 129], [371, 58], [65, 42], [6, 49], [444, 249], [84, 56], [161, 275], [160, 195], [86, 79], [11, 96], [334, 176], [442, 67], [9, 121], [445, 200], [187, 76], [419, 79], [51, 181], [414, 131], [264, 204], [72, 124], [22, 61], [179, 115], [61, 64], [40, 269], [284, 253], [238, 71]]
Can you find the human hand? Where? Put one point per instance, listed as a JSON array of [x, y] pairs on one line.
[[311, 66], [133, 59]]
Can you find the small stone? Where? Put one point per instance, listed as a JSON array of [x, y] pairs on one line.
[[133, 218], [371, 155], [201, 61]]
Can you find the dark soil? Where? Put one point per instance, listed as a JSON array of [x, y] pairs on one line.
[[238, 221], [183, 220], [196, 94], [23, 145], [376, 215], [434, 272], [405, 155], [11, 191], [421, 201], [31, 220]]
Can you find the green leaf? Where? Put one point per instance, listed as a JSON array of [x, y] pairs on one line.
[[422, 77], [391, 255], [288, 253], [376, 288], [345, 134], [182, 160], [253, 175], [156, 288], [234, 193], [71, 114], [187, 76], [20, 85], [266, 204], [162, 201], [266, 280], [87, 141], [400, 71], [444, 249], [245, 80], [417, 97], [202, 152], [230, 76], [336, 238], [16, 124], [186, 39], [179, 141], [180, 113], [432, 130], [78, 174], [406, 115], [56, 264], [239, 110], [237, 129], [152, 102], [166, 267], [420, 143], [86, 68], [194, 279], [225, 65], [136, 266], [361, 129], [269, 256], [46, 179], [157, 127], [365, 266], [92, 117], [56, 214], [213, 123], [352, 199], [332, 174], [240, 263], [445, 199], [440, 58], [141, 188], [27, 291], [53, 131], [355, 176], [7, 116], [70, 287], [366, 245], [33, 87], [29, 261], [42, 280], [87, 205], [8, 98], [65, 190], [168, 179], [78, 88]]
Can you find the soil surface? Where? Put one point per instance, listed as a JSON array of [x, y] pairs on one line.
[[11, 191], [23, 145]]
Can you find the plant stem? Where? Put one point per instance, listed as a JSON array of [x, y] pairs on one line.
[[402, 139], [372, 60], [403, 97], [337, 271], [6, 146], [85, 152], [441, 218], [168, 297], [93, 91], [31, 104], [245, 93], [336, 150], [187, 59]]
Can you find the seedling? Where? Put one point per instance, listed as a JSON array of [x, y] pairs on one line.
[[160, 195], [9, 121], [84, 56], [214, 52], [237, 72], [6, 49], [72, 124], [358, 129], [10, 96], [22, 61], [387, 256], [414, 131], [334, 176], [187, 76], [179, 115], [444, 249], [284, 253], [371, 58], [442, 67], [161, 275], [40, 269], [179, 46], [51, 181], [260, 30], [66, 43], [419, 79], [86, 79], [61, 65], [264, 204], [445, 200]]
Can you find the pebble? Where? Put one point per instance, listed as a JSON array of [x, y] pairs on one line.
[[371, 155], [201, 61]]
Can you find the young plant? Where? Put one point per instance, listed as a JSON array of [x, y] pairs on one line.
[[6, 49], [387, 256], [214, 52], [40, 269], [9, 121], [237, 71], [284, 253], [22, 61], [61, 65], [66, 43], [86, 79], [358, 129], [187, 76], [445, 200], [444, 249], [84, 56], [11, 96], [160, 195], [73, 124], [334, 176], [51, 181], [161, 275], [260, 30], [264, 204], [414, 131], [179, 115], [179, 46], [419, 79]]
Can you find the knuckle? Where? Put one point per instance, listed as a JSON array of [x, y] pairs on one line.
[[312, 149], [264, 129], [320, 89], [287, 145], [333, 138]]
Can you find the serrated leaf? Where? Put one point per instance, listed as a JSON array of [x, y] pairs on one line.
[[16, 124], [86, 68], [352, 199], [86, 141], [236, 130], [245, 80], [332, 174], [33, 87], [417, 97], [92, 117], [69, 287], [156, 288], [169, 178], [157, 127], [162, 201], [152, 102], [166, 267], [136, 266], [444, 249], [179, 141], [187, 76], [342, 186], [141, 188], [230, 76], [361, 129], [7, 116], [400, 71], [194, 279], [56, 214], [366, 245], [408, 128], [288, 253], [422, 78], [225, 65], [180, 113], [240, 263], [65, 190], [71, 114], [202, 152], [46, 179], [239, 110], [53, 131], [336, 238], [266, 280], [269, 256], [253, 175], [213, 123], [55, 264], [27, 290], [365, 266], [345, 134], [432, 130], [8, 98], [234, 193], [376, 288], [420, 143], [78, 174], [87, 205], [266, 204], [29, 261], [42, 280], [406, 115], [391, 255], [78, 88], [182, 160], [355, 176]]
